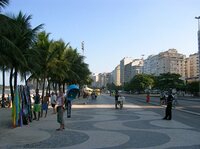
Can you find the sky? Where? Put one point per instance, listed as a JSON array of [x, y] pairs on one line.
[[114, 29]]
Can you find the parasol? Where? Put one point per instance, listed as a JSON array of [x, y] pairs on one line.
[[72, 92]]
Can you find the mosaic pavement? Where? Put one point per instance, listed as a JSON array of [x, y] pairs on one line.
[[129, 128]]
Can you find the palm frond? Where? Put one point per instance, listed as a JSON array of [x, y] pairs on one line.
[[3, 3]]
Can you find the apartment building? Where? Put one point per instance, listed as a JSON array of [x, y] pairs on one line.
[[95, 78], [116, 75], [133, 68], [103, 80], [151, 65], [192, 67], [124, 62], [169, 61]]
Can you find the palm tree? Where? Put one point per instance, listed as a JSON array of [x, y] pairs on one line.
[[7, 47], [78, 71], [48, 50], [17, 38], [58, 66], [24, 40], [3, 3]]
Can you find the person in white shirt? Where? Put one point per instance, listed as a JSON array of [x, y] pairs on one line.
[[60, 110], [53, 101]]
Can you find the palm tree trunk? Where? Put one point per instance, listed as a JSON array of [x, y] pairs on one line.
[[56, 87], [11, 87], [59, 86], [49, 86], [3, 77], [47, 89], [63, 87], [15, 78], [43, 87], [26, 81], [37, 83]]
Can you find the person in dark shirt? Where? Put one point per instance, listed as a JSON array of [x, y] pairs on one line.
[[168, 112], [116, 98], [37, 106]]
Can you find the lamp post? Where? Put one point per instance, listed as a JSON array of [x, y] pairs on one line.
[[198, 34], [198, 22]]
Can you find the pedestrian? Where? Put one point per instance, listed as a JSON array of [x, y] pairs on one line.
[[60, 110], [68, 106], [162, 98], [9, 101], [53, 102], [148, 97], [175, 101], [3, 102], [37, 106], [45, 104], [168, 111], [116, 98]]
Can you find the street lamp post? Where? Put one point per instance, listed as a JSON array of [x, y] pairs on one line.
[[198, 22], [198, 34]]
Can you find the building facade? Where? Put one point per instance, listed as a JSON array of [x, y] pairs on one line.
[[165, 62], [95, 78], [151, 65], [124, 62], [133, 68], [116, 76], [192, 67]]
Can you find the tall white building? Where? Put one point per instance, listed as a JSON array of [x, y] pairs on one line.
[[165, 62], [133, 68], [103, 79], [116, 76], [95, 78], [123, 62], [151, 65], [172, 61]]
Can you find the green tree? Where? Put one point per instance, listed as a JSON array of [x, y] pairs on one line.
[[16, 37], [47, 52], [194, 87], [141, 82], [3, 58], [169, 80], [76, 69], [9, 52], [59, 66], [23, 38]]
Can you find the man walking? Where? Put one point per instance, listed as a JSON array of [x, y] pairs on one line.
[[168, 112], [37, 106]]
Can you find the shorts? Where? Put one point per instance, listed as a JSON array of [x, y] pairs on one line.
[[37, 108], [53, 105], [44, 106], [60, 113]]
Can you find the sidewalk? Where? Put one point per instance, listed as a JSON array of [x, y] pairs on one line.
[[132, 127]]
